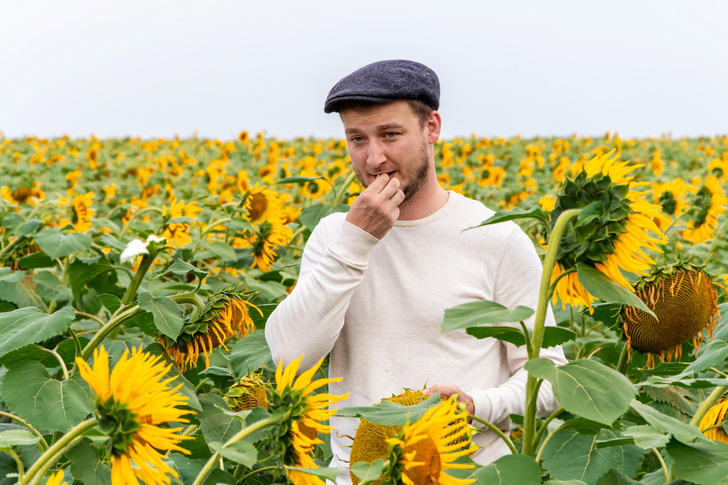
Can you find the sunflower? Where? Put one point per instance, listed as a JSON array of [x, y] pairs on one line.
[[178, 232], [423, 451], [712, 423], [707, 204], [370, 440], [22, 195], [671, 196], [264, 242], [683, 298], [225, 314], [262, 204], [297, 434], [81, 210], [130, 412], [612, 234], [56, 478], [249, 393]]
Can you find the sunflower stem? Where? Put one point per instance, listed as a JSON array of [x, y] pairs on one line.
[[131, 292], [60, 361], [110, 326], [497, 431], [532, 384], [204, 233], [11, 246], [344, 188], [709, 402], [545, 425], [623, 361], [190, 298], [42, 443], [54, 452], [18, 463], [241, 435], [88, 315], [662, 464], [254, 472]]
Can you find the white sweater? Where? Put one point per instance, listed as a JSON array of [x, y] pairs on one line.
[[377, 306]]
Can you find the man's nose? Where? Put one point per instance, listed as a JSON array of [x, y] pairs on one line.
[[375, 156]]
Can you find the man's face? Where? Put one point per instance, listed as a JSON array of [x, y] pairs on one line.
[[388, 138]]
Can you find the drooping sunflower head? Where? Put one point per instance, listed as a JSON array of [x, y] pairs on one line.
[[706, 205], [302, 414], [422, 452], [225, 314], [685, 302], [133, 413], [712, 423], [249, 393], [611, 234]]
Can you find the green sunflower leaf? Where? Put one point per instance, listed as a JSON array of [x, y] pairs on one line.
[[43, 401], [534, 212], [703, 463], [16, 437], [239, 452], [216, 425], [368, 472], [646, 437], [29, 325], [311, 215], [181, 268], [297, 179], [510, 469], [86, 466], [58, 245], [475, 313], [600, 286], [552, 336], [710, 356], [327, 473], [586, 388], [27, 228], [36, 260], [167, 314], [571, 455], [666, 424], [390, 413]]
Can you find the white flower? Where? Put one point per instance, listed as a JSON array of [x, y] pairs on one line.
[[153, 238], [134, 249]]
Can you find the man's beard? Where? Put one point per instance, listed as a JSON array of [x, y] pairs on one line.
[[417, 176]]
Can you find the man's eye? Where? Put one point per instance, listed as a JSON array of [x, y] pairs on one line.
[[356, 139], [390, 134]]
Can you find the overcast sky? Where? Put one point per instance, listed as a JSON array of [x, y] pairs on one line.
[[160, 68]]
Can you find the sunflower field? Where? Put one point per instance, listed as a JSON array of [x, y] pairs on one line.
[[136, 277]]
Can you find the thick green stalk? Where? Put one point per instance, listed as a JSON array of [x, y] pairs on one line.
[[713, 398], [54, 452], [532, 385], [42, 444], [131, 292], [344, 188], [110, 326], [244, 433], [623, 361]]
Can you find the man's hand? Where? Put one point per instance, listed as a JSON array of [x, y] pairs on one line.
[[377, 208], [447, 390]]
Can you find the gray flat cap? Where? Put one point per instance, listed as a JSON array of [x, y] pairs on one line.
[[386, 81]]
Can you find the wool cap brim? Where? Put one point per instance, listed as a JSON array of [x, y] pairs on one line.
[[384, 82]]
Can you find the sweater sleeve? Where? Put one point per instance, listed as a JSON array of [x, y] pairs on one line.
[[310, 319], [517, 283]]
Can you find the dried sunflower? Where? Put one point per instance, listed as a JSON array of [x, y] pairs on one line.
[[225, 314], [613, 230], [683, 298]]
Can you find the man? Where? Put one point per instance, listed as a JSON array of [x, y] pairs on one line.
[[374, 282]]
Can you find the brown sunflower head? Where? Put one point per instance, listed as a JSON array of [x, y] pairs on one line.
[[370, 439], [225, 314], [685, 302]]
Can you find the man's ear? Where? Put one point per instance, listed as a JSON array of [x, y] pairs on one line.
[[433, 124]]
